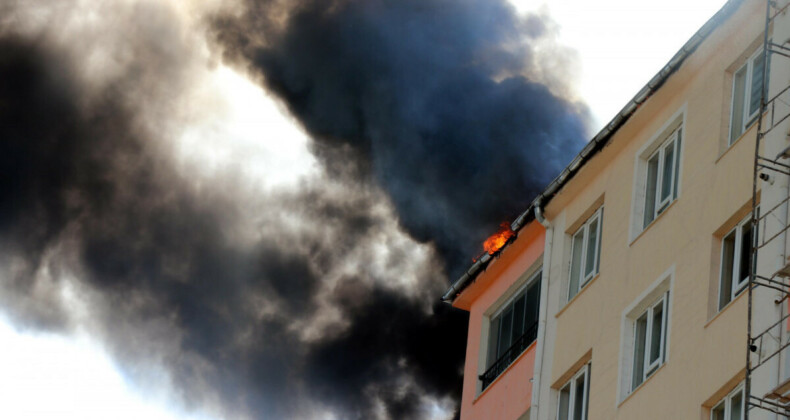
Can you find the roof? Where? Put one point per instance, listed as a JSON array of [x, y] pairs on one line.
[[597, 143]]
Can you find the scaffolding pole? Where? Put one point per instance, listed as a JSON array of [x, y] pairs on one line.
[[776, 401]]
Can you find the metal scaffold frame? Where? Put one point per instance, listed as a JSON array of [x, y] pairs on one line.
[[776, 401]]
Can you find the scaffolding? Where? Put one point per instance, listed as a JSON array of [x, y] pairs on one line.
[[767, 382]]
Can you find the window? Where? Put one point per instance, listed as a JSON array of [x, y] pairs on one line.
[[730, 408], [747, 82], [646, 327], [661, 186], [736, 263], [649, 341], [512, 329], [573, 397], [585, 253], [658, 173]]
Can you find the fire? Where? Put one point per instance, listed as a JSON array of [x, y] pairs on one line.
[[496, 241]]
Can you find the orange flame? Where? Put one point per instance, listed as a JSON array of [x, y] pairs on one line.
[[496, 241]]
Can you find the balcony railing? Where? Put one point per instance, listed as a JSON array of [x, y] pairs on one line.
[[510, 355]]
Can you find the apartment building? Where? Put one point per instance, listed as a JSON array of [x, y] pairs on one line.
[[636, 279]]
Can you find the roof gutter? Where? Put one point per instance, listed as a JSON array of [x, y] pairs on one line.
[[598, 142]]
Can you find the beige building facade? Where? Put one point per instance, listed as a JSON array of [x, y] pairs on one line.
[[647, 256]]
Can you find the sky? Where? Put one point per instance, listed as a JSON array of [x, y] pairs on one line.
[[621, 44], [249, 209]]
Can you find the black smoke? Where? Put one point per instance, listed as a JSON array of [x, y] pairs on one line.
[[434, 97], [207, 276]]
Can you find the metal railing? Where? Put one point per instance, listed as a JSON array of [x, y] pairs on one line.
[[509, 356]]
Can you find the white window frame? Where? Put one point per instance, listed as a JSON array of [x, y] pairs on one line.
[[639, 198], [648, 366], [658, 291], [727, 403], [747, 118], [584, 278], [584, 374], [737, 285], [674, 140]]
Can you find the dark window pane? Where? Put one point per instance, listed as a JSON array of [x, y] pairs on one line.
[[533, 305], [738, 98], [592, 252], [640, 334], [576, 263], [736, 412], [518, 318], [727, 265], [505, 331], [578, 399], [746, 254], [718, 412], [667, 171], [493, 340], [677, 165], [565, 402], [650, 189], [655, 333], [756, 86]]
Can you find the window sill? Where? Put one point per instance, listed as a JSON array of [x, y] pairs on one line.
[[746, 133], [504, 372], [628, 397], [727, 306], [573, 299], [672, 204]]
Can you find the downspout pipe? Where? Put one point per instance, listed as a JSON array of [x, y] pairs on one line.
[[544, 297]]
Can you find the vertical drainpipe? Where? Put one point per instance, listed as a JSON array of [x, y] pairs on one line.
[[544, 293]]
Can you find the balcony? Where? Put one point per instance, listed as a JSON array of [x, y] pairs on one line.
[[509, 356]]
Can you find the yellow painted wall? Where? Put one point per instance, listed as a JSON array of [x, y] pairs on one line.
[[706, 348]]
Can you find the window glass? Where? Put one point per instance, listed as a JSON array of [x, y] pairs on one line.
[[737, 406], [736, 263], [592, 243], [649, 341], [730, 408], [578, 401], [585, 253], [650, 190], [572, 404], [655, 333], [493, 341], [747, 84], [576, 262], [738, 99], [756, 85], [661, 185], [512, 330], [518, 318], [727, 265], [565, 402], [745, 268], [640, 336], [667, 171], [504, 332], [533, 304], [677, 166], [718, 412]]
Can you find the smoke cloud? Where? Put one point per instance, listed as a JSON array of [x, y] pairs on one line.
[[296, 278], [445, 103]]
